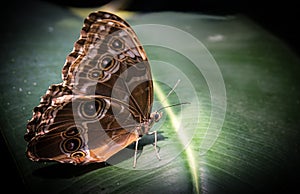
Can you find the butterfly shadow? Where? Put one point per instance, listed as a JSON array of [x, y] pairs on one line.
[[66, 171]]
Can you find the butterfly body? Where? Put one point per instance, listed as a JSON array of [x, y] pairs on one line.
[[104, 101]]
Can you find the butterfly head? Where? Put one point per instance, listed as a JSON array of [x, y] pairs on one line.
[[155, 116]]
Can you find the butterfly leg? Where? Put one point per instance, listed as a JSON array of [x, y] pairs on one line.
[[135, 152], [155, 144]]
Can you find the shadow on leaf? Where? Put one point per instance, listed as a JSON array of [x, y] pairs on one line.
[[63, 170]]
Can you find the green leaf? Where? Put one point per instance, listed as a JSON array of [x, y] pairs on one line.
[[243, 139]]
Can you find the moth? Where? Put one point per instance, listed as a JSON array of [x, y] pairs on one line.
[[104, 101]]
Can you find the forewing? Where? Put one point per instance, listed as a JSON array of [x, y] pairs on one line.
[[109, 60]]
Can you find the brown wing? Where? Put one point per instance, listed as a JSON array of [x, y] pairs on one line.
[[106, 92], [82, 130], [109, 60], [43, 112]]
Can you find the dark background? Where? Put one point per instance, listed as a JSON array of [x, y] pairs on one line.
[[278, 17]]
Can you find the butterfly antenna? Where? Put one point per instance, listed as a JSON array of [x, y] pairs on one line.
[[170, 92], [161, 107], [173, 105]]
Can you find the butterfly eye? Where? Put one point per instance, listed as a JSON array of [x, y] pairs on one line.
[[117, 44], [90, 109], [156, 116], [71, 145], [107, 62]]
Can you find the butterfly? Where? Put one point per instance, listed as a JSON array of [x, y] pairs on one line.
[[104, 101]]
